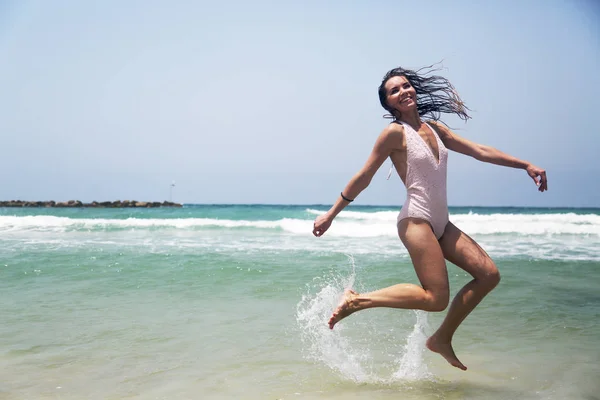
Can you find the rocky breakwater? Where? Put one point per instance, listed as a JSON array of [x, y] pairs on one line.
[[93, 204]]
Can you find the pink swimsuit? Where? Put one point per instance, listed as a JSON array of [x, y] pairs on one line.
[[425, 181]]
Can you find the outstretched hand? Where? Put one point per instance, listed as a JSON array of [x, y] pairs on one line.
[[539, 177], [322, 223]]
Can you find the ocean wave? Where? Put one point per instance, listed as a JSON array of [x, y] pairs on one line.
[[45, 223], [479, 224], [545, 236], [388, 216], [348, 224]]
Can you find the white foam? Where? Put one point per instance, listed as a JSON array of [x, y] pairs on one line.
[[355, 224], [529, 224], [46, 222], [567, 236]]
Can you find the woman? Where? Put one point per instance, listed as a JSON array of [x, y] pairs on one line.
[[418, 151]]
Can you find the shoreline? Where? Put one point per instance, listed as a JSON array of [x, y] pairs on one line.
[[93, 204]]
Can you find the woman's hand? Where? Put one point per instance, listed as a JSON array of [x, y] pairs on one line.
[[539, 177], [322, 223]]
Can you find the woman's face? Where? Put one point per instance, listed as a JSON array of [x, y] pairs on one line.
[[400, 94]]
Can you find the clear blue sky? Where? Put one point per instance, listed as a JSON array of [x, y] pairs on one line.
[[276, 102]]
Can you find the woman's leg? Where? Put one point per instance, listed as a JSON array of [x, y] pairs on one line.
[[464, 252], [430, 266]]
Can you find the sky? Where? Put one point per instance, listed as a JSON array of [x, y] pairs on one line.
[[275, 102]]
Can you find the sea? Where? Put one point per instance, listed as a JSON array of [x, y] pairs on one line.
[[232, 302]]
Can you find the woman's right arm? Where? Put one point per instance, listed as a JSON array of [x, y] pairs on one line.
[[360, 181]]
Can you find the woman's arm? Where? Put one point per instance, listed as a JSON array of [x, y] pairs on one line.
[[360, 181], [490, 155]]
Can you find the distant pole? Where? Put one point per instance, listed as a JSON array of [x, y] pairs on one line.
[[171, 191]]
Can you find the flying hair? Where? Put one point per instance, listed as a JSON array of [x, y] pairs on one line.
[[435, 94]]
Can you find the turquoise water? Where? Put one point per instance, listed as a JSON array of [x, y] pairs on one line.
[[216, 302]]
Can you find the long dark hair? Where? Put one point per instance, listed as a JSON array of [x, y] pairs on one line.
[[435, 94]]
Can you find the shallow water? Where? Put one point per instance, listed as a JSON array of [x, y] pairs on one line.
[[211, 302]]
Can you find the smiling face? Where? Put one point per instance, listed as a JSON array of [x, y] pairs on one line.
[[400, 95]]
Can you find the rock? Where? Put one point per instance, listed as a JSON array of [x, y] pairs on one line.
[[78, 203]]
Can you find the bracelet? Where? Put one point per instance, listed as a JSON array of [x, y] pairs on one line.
[[345, 198]]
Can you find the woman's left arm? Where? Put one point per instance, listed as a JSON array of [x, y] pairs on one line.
[[490, 155]]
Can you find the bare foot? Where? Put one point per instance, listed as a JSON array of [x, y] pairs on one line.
[[446, 350], [343, 309]]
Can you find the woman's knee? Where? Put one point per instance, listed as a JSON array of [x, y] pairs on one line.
[[437, 300], [490, 275]]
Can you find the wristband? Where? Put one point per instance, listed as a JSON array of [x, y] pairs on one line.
[[345, 198]]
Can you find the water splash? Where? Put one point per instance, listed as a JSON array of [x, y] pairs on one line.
[[366, 349], [322, 344], [411, 365]]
